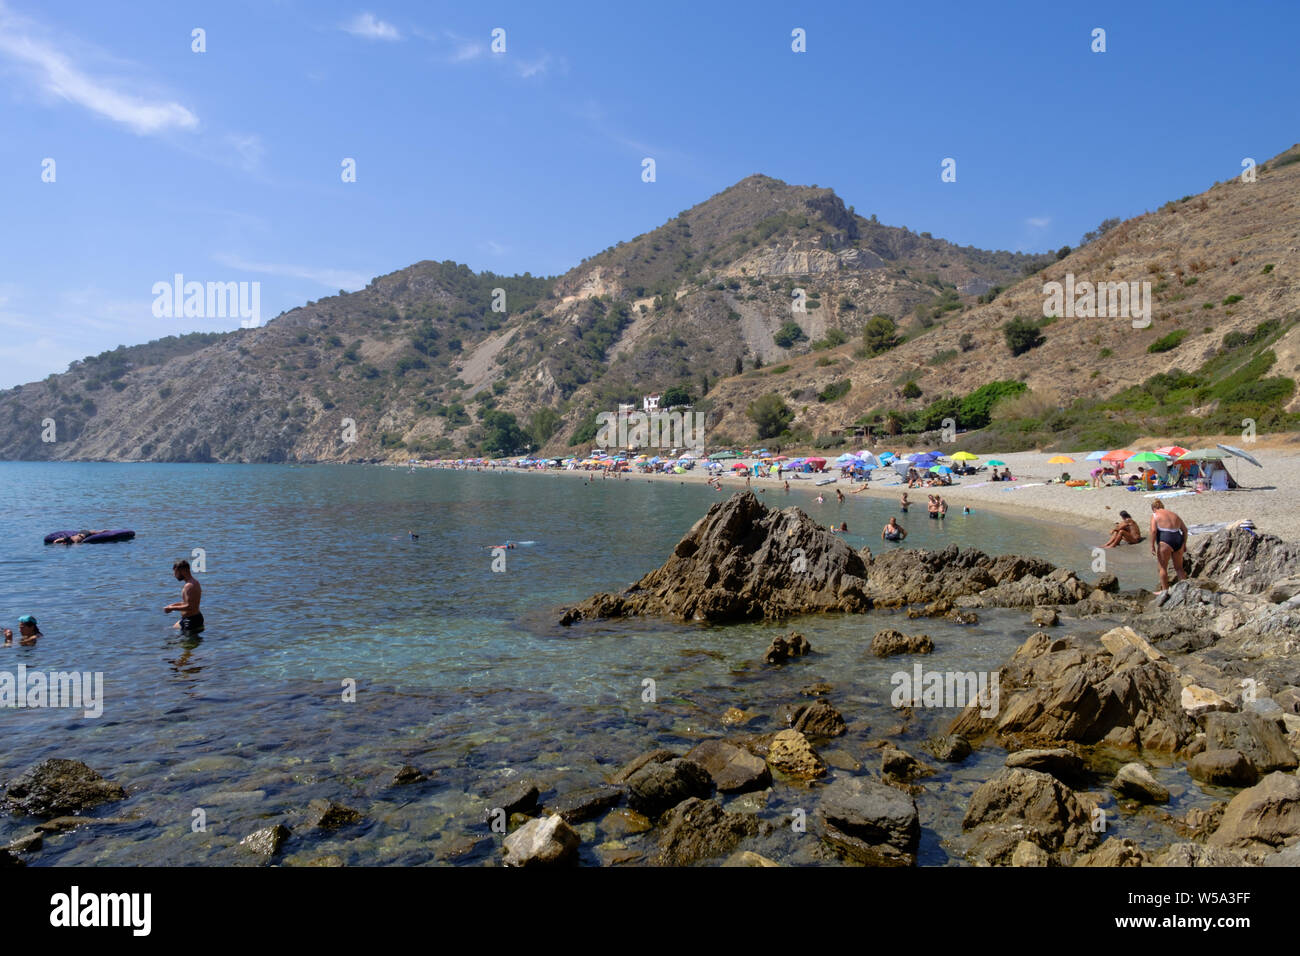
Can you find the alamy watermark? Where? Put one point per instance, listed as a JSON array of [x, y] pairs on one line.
[[1106, 300], [655, 429], [215, 300], [954, 689], [53, 690]]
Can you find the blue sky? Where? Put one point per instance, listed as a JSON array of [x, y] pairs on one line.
[[225, 165]]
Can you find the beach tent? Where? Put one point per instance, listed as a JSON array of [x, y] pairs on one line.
[[867, 460], [901, 466]]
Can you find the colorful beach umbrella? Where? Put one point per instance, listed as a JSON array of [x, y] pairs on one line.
[[1060, 460], [964, 456], [1148, 456], [995, 462], [1121, 454], [1173, 451], [1095, 456]]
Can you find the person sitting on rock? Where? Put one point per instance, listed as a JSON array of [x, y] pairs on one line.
[[1125, 532]]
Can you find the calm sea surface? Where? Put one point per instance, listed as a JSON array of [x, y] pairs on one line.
[[312, 582]]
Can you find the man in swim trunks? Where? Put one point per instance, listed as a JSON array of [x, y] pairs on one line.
[[893, 531], [1168, 540], [191, 594], [904, 503], [943, 507], [933, 507]]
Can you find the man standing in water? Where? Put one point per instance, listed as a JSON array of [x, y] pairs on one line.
[[191, 620], [1168, 540]]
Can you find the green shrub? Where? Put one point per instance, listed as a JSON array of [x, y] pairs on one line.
[[789, 334], [834, 390], [911, 390], [1232, 300], [1022, 335], [1168, 342]]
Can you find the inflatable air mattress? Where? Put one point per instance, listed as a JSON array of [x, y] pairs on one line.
[[101, 538]]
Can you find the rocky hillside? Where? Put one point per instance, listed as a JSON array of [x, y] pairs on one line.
[[433, 360]]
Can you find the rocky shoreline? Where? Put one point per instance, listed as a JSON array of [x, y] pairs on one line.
[[1110, 689]]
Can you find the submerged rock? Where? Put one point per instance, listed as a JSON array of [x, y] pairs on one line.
[[328, 815], [59, 787], [818, 719], [547, 841], [408, 775], [518, 797], [732, 769], [698, 829]]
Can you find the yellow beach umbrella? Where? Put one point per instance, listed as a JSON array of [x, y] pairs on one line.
[[1061, 460], [964, 456]]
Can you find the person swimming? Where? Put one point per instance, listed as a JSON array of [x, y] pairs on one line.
[[903, 505], [28, 630], [893, 531]]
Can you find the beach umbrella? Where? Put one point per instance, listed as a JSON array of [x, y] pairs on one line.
[[1095, 456], [1202, 454], [1119, 455], [739, 467], [678, 470], [965, 456], [994, 462], [941, 469], [1060, 460], [1173, 451], [1232, 450], [845, 458], [1148, 456], [867, 459], [887, 456]]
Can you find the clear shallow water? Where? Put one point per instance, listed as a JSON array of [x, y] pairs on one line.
[[312, 581]]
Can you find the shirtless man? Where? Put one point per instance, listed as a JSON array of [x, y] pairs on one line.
[[28, 630], [1168, 540], [1125, 532], [188, 605], [904, 503], [893, 531]]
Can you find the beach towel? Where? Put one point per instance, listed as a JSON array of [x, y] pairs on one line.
[[1169, 494], [1032, 484]]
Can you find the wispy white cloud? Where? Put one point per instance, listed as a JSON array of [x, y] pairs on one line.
[[494, 247], [249, 147], [369, 27], [329, 278], [1039, 222], [57, 74]]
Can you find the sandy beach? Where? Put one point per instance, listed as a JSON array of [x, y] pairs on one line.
[[1267, 495]]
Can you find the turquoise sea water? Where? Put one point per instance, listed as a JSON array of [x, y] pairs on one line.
[[313, 582]]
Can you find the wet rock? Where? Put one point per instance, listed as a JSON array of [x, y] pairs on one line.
[[624, 822], [1057, 690], [544, 842], [901, 766], [1017, 804], [889, 642], [585, 804], [407, 775], [1198, 854], [328, 815], [60, 824], [733, 770], [870, 821], [462, 846], [792, 754], [1225, 768], [1198, 701], [698, 829], [1108, 583], [1030, 854], [657, 787], [518, 797], [950, 748], [266, 842], [1044, 617], [1257, 737], [816, 690], [1115, 851], [624, 773], [1063, 764], [818, 719], [28, 843], [59, 787], [748, 858], [781, 649], [735, 717], [1134, 780], [740, 561], [328, 860], [1261, 818]]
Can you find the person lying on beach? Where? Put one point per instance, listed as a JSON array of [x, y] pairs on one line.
[[1125, 532], [1168, 540], [893, 531], [28, 632]]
